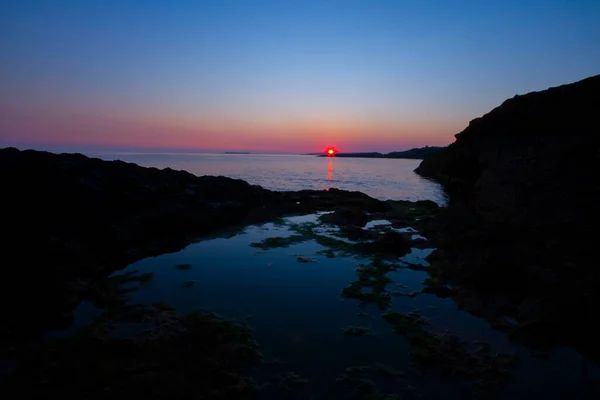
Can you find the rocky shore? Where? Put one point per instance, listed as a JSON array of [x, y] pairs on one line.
[[517, 242], [69, 221]]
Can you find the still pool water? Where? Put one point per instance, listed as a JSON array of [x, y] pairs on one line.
[[297, 314]]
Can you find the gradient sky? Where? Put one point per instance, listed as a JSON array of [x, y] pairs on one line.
[[292, 76]]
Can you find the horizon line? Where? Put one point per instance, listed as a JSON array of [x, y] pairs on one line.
[[92, 149]]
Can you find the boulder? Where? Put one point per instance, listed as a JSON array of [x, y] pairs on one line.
[[393, 243]]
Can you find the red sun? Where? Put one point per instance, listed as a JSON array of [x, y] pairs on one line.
[[331, 152]]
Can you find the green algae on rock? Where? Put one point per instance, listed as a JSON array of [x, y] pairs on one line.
[[370, 287], [278, 242], [450, 356], [335, 244]]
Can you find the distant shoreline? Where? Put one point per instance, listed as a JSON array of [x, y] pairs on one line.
[[237, 152], [413, 154]]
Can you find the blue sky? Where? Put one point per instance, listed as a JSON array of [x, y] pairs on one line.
[[278, 75]]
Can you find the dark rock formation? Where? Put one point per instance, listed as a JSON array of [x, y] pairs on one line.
[[69, 221], [518, 236], [417, 153], [439, 291], [388, 243], [550, 132]]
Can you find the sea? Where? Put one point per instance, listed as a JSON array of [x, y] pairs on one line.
[[385, 179], [291, 295]]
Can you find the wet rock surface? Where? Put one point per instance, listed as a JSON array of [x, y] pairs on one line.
[[518, 236]]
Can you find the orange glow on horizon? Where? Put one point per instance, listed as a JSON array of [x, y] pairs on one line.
[[56, 125]]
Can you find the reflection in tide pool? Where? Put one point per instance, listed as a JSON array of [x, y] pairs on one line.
[[298, 315]]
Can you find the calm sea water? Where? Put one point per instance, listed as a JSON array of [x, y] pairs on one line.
[[380, 178]]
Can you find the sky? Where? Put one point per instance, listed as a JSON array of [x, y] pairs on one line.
[[280, 75]]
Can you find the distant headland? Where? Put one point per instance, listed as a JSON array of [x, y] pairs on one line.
[[236, 152], [416, 153]]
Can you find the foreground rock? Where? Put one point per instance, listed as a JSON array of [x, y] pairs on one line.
[[149, 352], [518, 237], [69, 221]]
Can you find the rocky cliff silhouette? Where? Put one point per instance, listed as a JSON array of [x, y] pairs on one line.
[[518, 237]]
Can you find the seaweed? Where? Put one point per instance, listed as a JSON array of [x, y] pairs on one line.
[[335, 244], [370, 286], [279, 242], [450, 356]]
